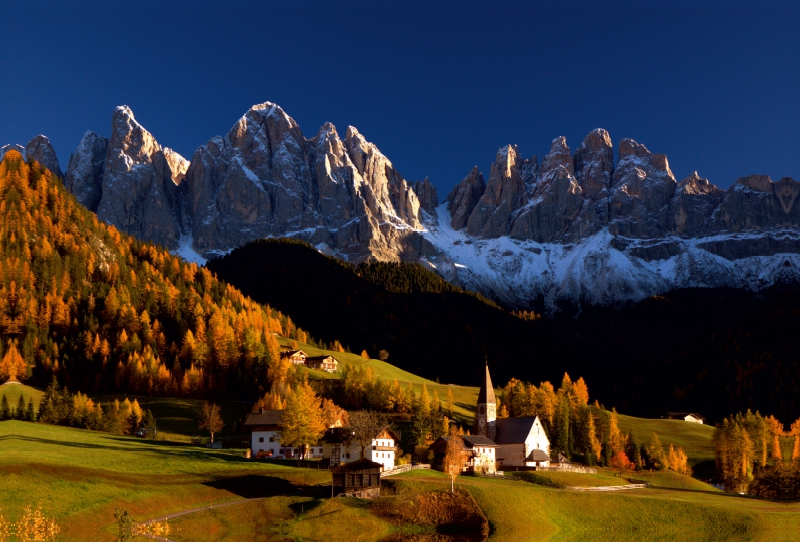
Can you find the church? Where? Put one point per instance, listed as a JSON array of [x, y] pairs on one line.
[[521, 442]]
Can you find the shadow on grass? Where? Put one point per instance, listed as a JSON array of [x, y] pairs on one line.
[[154, 446], [255, 487]]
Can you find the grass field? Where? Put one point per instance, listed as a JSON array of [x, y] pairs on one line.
[[80, 477]]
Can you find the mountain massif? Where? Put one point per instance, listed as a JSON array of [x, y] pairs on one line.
[[576, 226]]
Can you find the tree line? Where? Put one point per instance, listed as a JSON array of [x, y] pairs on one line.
[[756, 454]]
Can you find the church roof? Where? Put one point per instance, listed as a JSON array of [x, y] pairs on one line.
[[513, 430], [538, 455], [486, 395]]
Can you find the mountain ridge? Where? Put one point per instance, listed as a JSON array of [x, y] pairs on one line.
[[576, 226]]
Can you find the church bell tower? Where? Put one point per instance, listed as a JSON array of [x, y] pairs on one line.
[[486, 413]]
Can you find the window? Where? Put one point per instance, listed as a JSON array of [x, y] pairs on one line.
[[260, 439]]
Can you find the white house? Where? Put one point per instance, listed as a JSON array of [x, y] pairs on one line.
[[338, 447], [691, 417], [265, 440], [479, 453]]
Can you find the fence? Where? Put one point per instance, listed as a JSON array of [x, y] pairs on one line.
[[608, 488], [404, 468], [569, 468]]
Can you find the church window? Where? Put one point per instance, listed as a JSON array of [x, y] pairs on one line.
[[481, 409]]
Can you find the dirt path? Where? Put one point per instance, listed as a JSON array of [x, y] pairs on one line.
[[211, 506]]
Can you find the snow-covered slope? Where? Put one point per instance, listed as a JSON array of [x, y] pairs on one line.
[[602, 268]]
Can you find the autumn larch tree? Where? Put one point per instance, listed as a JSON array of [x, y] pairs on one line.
[[303, 422], [211, 419], [454, 458]]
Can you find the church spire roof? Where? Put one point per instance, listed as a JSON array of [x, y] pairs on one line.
[[486, 395]]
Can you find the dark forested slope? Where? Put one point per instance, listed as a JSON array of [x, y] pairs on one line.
[[712, 351]]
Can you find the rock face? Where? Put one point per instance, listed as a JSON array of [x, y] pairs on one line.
[[579, 226], [264, 178], [139, 194], [427, 195], [39, 149], [84, 176], [464, 197]]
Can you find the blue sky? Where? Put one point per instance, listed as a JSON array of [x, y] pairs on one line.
[[437, 86]]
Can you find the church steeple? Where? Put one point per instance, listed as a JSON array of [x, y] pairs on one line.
[[486, 411]]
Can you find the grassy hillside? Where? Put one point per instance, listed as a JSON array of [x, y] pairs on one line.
[[694, 438], [12, 391], [522, 511]]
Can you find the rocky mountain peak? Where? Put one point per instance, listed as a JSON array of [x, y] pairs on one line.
[[427, 195], [559, 156], [464, 197], [84, 176], [40, 149], [178, 165], [594, 163], [129, 138], [694, 184]]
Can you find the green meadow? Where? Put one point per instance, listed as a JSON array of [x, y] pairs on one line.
[[81, 477]]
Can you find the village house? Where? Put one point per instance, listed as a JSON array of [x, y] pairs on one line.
[[265, 439], [338, 447], [323, 363], [361, 478], [297, 357], [479, 453], [521, 442], [692, 417]]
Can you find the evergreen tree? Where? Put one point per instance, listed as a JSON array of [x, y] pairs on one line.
[[561, 441], [30, 412], [634, 451], [150, 424], [19, 413], [5, 411]]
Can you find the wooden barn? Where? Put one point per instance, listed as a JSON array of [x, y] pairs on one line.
[[360, 478]]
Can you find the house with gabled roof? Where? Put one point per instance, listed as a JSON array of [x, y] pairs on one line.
[[338, 447], [297, 357], [479, 453], [692, 417], [328, 364]]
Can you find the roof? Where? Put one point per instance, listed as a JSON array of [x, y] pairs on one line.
[[486, 394], [360, 465], [538, 455], [478, 440], [513, 430], [684, 414], [265, 417], [321, 358], [289, 353]]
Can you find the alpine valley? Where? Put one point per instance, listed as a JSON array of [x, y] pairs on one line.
[[574, 227]]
